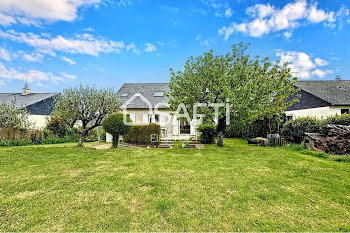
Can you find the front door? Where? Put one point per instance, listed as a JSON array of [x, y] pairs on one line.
[[185, 127]]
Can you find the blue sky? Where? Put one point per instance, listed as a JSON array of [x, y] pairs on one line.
[[63, 43]]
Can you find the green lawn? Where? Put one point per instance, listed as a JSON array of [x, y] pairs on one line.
[[235, 188]]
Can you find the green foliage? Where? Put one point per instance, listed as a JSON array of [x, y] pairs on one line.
[[294, 130], [12, 117], [258, 128], [339, 119], [36, 141], [141, 134], [114, 124], [86, 107], [208, 133], [254, 88], [56, 126]]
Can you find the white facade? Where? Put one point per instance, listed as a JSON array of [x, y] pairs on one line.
[[38, 121], [319, 113]]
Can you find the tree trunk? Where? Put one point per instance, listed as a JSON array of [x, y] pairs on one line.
[[115, 141], [81, 139]]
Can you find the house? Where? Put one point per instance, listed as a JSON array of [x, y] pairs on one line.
[[140, 99], [321, 99], [318, 99], [38, 105]]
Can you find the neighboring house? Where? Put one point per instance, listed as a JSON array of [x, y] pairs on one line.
[[321, 99], [139, 111], [38, 105]]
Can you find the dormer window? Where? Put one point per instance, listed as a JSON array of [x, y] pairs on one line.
[[125, 94], [158, 94]]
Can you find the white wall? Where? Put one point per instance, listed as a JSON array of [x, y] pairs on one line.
[[38, 121], [317, 112]]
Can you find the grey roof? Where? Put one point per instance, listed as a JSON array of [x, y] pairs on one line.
[[23, 101], [145, 89], [333, 92]]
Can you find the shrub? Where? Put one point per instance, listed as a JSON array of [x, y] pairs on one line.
[[339, 119], [294, 130], [208, 133], [92, 136], [57, 127], [258, 128], [141, 134], [114, 124]]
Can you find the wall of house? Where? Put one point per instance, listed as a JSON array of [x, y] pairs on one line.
[[38, 121], [320, 113]]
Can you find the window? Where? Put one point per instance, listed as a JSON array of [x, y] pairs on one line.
[[158, 94], [156, 118], [125, 94], [290, 117], [345, 111]]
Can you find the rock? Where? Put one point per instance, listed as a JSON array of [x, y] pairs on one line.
[[259, 140]]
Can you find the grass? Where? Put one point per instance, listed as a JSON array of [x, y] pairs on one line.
[[235, 188]]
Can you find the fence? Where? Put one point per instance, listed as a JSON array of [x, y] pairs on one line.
[[280, 141], [12, 134]]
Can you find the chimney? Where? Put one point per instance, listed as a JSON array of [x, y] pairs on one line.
[[25, 90]]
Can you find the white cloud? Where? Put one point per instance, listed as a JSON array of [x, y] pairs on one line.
[[69, 76], [315, 15], [30, 57], [302, 65], [288, 34], [5, 55], [228, 13], [89, 29], [320, 62], [132, 47], [33, 75], [80, 44], [319, 73], [221, 8], [205, 43], [265, 19], [6, 20], [37, 11], [68, 60], [150, 48]]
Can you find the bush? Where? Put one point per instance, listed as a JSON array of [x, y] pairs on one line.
[[208, 133], [294, 130], [141, 134], [258, 128], [57, 127], [114, 124], [92, 136], [339, 119]]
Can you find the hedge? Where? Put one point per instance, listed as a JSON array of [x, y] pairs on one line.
[[294, 130], [208, 133], [141, 134]]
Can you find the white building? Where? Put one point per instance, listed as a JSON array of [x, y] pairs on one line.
[[38, 105], [321, 99]]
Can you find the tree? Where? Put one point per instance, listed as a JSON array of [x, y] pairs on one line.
[[252, 88], [13, 117], [114, 124], [84, 108]]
